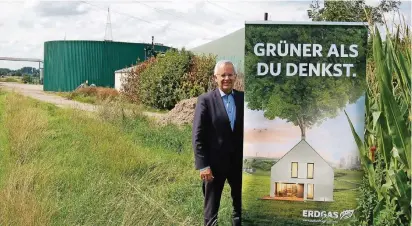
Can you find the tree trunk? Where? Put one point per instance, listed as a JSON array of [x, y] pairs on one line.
[[302, 128], [303, 131]]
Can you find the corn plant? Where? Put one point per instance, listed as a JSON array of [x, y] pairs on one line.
[[388, 129]]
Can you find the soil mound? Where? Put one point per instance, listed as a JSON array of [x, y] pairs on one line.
[[182, 113]]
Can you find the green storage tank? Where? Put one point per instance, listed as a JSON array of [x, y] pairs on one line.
[[67, 64]]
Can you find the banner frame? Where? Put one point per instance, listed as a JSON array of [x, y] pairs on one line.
[[306, 23]]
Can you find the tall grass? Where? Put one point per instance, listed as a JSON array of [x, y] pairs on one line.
[[20, 178], [81, 170]]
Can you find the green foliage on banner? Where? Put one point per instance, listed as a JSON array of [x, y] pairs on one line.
[[386, 151], [351, 10], [304, 101]]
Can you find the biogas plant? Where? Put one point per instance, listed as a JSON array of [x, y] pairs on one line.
[[67, 64]]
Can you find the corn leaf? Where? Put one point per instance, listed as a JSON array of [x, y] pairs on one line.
[[376, 116], [403, 188], [405, 74], [394, 118], [367, 163], [384, 143], [403, 84]]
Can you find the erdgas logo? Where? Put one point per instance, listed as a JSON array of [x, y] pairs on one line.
[[346, 214]]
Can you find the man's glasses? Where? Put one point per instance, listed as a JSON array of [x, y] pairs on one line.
[[227, 75]]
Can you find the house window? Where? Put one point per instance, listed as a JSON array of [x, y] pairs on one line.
[[294, 170], [311, 167], [311, 188]]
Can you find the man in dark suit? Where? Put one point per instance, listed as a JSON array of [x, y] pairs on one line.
[[218, 142]]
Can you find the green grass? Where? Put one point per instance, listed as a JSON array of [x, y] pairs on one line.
[[270, 212], [94, 100], [67, 167], [80, 98], [11, 79], [4, 160]]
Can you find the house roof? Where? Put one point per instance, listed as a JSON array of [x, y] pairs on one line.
[[128, 69], [309, 146]]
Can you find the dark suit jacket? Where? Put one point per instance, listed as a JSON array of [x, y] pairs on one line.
[[213, 139]]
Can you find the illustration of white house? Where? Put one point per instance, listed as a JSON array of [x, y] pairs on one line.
[[302, 175]]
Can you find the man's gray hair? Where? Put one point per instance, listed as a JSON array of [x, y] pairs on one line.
[[223, 62]]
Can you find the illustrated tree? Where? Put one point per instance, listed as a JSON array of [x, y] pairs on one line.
[[303, 101]]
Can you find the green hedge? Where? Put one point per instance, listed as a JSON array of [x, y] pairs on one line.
[[175, 76]]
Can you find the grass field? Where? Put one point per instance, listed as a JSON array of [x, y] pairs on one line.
[[271, 212], [67, 167], [11, 79]]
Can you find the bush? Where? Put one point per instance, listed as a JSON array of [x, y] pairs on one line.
[[198, 79], [26, 79], [130, 88], [162, 82]]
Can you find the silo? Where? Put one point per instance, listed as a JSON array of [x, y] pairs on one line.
[[67, 64]]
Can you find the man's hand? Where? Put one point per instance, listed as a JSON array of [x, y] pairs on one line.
[[206, 174]]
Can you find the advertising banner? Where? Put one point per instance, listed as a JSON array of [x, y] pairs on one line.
[[301, 162]]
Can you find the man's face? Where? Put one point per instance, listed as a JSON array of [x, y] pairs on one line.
[[225, 77]]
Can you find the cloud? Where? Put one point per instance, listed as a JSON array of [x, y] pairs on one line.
[[26, 24], [60, 9], [174, 23]]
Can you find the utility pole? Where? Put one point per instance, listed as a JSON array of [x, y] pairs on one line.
[[153, 44]]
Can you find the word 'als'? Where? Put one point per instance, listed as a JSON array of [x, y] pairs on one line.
[[302, 50]]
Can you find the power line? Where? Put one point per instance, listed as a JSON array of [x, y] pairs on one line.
[[141, 2], [174, 15], [135, 17], [224, 8]]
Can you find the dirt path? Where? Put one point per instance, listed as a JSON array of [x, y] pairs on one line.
[[36, 92]]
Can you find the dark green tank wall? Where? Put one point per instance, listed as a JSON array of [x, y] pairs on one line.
[[67, 64]]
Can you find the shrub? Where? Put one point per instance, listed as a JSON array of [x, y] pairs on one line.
[[164, 81], [26, 79], [161, 82], [130, 88], [197, 80]]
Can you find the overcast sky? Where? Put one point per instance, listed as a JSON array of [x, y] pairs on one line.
[[26, 25]]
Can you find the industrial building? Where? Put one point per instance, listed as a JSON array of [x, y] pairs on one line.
[[119, 76], [67, 64], [230, 47]]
